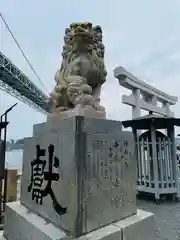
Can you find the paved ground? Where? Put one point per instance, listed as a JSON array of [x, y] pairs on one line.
[[167, 218]]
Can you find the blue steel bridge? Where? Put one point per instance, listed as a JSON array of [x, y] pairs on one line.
[[17, 84]]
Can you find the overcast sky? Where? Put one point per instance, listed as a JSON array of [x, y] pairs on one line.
[[142, 36]]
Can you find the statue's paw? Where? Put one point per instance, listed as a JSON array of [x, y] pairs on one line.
[[98, 107], [84, 99]]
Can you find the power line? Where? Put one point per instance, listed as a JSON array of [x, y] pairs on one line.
[[12, 35], [2, 34]]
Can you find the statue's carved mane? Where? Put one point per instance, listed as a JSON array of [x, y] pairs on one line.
[[92, 36]]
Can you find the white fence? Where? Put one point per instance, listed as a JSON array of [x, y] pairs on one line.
[[158, 175]]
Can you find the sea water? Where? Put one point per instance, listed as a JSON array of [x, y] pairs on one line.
[[14, 159]]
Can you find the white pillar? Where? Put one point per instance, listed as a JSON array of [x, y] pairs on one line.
[[154, 158], [166, 105], [154, 100], [168, 111], [136, 110]]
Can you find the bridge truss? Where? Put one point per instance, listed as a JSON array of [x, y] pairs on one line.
[[15, 83]]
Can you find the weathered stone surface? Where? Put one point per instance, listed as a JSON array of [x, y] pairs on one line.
[[166, 217], [79, 110], [25, 225], [82, 72], [140, 226], [97, 175], [68, 126], [21, 224]]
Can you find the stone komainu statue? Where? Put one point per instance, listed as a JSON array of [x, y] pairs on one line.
[[82, 71]]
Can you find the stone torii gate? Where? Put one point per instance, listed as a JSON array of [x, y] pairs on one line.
[[146, 97], [150, 95]]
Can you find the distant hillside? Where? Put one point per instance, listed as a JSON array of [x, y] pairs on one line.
[[19, 144]]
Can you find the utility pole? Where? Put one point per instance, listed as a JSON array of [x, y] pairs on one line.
[[3, 175]]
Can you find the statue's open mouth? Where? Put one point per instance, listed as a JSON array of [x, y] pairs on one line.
[[83, 36], [82, 33]]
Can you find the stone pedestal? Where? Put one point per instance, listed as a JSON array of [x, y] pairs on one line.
[[79, 175], [20, 224], [96, 170]]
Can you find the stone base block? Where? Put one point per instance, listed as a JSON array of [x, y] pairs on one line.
[[1, 236], [140, 226], [88, 112], [20, 224]]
